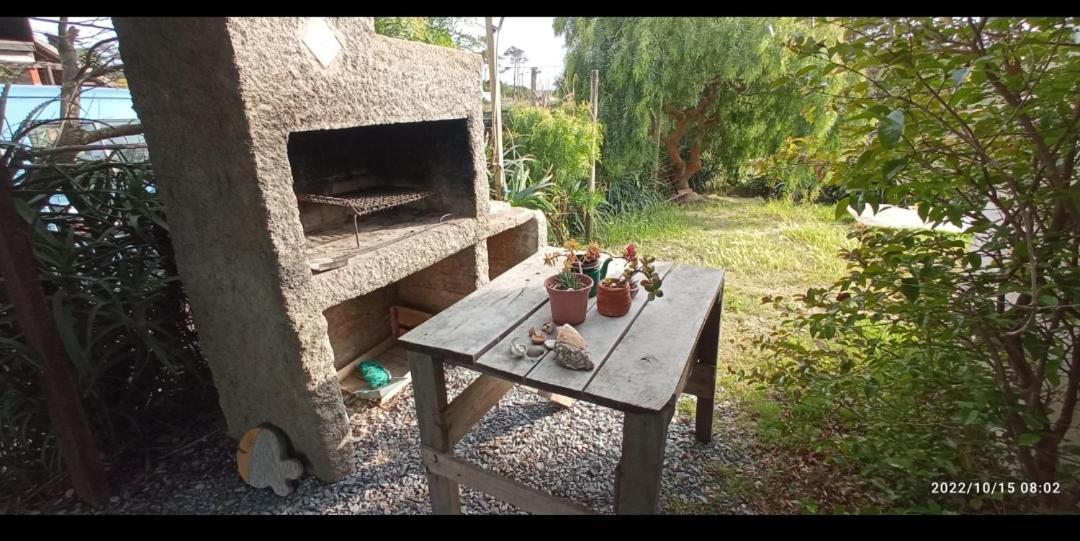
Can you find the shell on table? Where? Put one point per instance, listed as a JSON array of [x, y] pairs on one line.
[[536, 336]]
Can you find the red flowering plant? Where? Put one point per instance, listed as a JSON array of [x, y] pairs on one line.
[[637, 265]]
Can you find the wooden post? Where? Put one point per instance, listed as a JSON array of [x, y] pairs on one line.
[[23, 286], [593, 99], [429, 391], [532, 86], [656, 150], [496, 110], [707, 349], [641, 468]]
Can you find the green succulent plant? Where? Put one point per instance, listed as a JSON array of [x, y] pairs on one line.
[[569, 281]]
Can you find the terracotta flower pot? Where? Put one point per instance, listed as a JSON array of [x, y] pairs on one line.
[[568, 306], [634, 288], [613, 301]]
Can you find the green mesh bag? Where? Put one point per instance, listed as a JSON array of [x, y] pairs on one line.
[[374, 373]]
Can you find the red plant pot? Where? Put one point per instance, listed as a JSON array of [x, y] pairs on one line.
[[568, 306], [613, 301]]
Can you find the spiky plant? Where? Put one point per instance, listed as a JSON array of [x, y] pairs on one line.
[[569, 281]]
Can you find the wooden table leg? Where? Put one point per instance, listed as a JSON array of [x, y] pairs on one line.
[[707, 351], [429, 390], [637, 478]]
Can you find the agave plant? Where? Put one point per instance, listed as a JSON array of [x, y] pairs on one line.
[[521, 189], [99, 235]]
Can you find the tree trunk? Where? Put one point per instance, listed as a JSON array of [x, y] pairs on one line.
[[684, 169], [72, 133], [685, 120], [70, 97]]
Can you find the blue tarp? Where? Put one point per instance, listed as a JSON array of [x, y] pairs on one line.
[[108, 105]]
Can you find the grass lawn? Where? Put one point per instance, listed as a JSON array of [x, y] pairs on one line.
[[767, 249]]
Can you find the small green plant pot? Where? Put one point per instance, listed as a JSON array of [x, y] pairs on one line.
[[592, 271]]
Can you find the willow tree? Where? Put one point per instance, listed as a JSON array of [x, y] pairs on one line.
[[456, 32], [700, 88]]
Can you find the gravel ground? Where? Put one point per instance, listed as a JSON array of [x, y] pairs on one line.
[[568, 452]]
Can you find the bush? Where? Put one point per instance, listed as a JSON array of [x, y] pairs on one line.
[[101, 239], [558, 145], [883, 380], [561, 141], [974, 121]]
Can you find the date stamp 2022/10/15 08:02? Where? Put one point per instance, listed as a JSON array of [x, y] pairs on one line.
[[994, 487]]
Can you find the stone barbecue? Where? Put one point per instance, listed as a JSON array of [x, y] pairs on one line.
[[316, 177]]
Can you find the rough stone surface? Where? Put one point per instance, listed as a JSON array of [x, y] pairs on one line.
[[571, 350], [219, 98], [578, 447]]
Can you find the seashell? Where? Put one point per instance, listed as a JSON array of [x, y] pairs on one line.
[[571, 350], [536, 336], [516, 349], [548, 327], [550, 344]]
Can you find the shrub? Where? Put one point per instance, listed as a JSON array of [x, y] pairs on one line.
[[884, 381], [974, 121], [557, 145], [561, 140], [101, 239]]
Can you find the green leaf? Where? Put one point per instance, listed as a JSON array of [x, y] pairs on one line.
[[973, 260], [891, 128], [1028, 439], [842, 207], [972, 416], [910, 288], [894, 167]]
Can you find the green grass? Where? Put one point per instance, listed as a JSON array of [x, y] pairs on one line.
[[774, 248], [766, 248]]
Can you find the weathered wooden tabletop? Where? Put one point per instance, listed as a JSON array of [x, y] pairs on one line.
[[641, 359]]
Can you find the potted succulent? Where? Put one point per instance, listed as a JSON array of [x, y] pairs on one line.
[[568, 291], [614, 297], [588, 263]]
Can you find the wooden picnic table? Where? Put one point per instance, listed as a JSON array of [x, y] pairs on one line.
[[643, 361]]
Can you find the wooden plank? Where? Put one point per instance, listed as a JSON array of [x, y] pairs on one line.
[[602, 334], [641, 468], [466, 330], [395, 362], [562, 400], [404, 319], [471, 405], [500, 361], [395, 354], [508, 490], [645, 370], [707, 353], [429, 391], [701, 381], [374, 352]]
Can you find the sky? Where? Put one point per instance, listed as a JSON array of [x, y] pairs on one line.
[[533, 35], [543, 49]]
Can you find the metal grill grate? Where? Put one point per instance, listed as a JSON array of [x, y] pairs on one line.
[[369, 201]]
